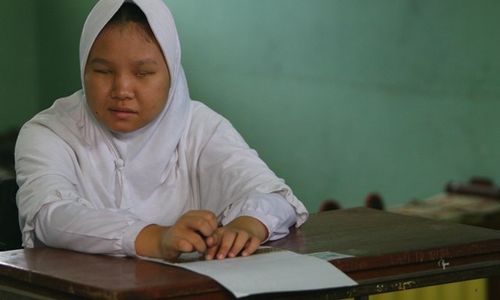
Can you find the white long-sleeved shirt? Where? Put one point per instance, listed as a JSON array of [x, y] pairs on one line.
[[64, 225], [78, 196]]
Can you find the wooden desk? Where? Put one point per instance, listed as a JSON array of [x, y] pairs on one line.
[[463, 208], [392, 252]]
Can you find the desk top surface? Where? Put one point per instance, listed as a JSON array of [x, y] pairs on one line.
[[387, 248], [459, 208]]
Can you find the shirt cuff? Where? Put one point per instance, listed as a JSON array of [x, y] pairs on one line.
[[273, 210], [129, 236]]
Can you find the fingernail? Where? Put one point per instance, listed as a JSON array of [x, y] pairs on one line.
[[220, 256]]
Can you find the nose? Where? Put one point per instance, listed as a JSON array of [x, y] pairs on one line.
[[122, 87]]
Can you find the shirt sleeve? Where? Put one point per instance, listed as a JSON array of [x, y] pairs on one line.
[[234, 181], [68, 225], [53, 212], [273, 210]]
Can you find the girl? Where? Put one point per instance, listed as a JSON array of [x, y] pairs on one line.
[[130, 165]]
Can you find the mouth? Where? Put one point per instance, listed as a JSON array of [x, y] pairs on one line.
[[122, 113]]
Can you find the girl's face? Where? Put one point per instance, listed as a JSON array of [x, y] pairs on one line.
[[126, 77]]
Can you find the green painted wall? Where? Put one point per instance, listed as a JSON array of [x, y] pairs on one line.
[[18, 63], [347, 97], [60, 24], [341, 98]]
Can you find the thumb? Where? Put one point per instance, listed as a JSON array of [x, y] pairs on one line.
[[214, 239]]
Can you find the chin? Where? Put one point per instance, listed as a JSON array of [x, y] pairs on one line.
[[120, 128]]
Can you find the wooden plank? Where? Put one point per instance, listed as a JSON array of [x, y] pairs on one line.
[[376, 238], [389, 250], [101, 277]]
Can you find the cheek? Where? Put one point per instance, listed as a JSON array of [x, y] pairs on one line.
[[94, 102], [95, 94], [156, 103], [158, 93]]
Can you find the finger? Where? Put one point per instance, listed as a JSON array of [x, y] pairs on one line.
[[241, 240], [208, 217], [204, 225], [198, 243], [211, 252], [190, 242], [184, 246], [251, 246], [210, 241], [226, 243], [214, 239], [211, 219], [213, 242]]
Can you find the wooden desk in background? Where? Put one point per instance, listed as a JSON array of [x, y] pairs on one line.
[[464, 208], [391, 252]]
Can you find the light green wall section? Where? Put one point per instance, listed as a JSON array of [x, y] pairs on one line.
[[341, 98], [18, 63], [347, 97]]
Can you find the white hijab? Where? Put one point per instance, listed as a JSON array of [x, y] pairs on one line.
[[161, 136]]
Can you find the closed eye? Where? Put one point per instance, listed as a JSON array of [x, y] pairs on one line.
[[144, 73], [102, 71]]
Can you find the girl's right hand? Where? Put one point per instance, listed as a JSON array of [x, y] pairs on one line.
[[188, 234]]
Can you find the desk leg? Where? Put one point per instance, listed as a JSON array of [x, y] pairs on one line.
[[493, 288]]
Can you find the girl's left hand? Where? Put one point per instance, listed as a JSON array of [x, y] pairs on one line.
[[243, 235]]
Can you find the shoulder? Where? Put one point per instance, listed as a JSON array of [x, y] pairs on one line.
[[201, 113], [50, 125], [209, 123], [207, 127], [64, 111], [204, 120]]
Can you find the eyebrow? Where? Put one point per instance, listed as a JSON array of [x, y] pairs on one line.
[[147, 61], [140, 62], [98, 61]]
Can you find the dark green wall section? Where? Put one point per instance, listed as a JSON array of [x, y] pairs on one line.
[[59, 30], [341, 98], [18, 63]]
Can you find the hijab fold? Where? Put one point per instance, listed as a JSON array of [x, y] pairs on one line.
[[159, 138]]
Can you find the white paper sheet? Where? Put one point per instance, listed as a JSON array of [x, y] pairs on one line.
[[267, 272]]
